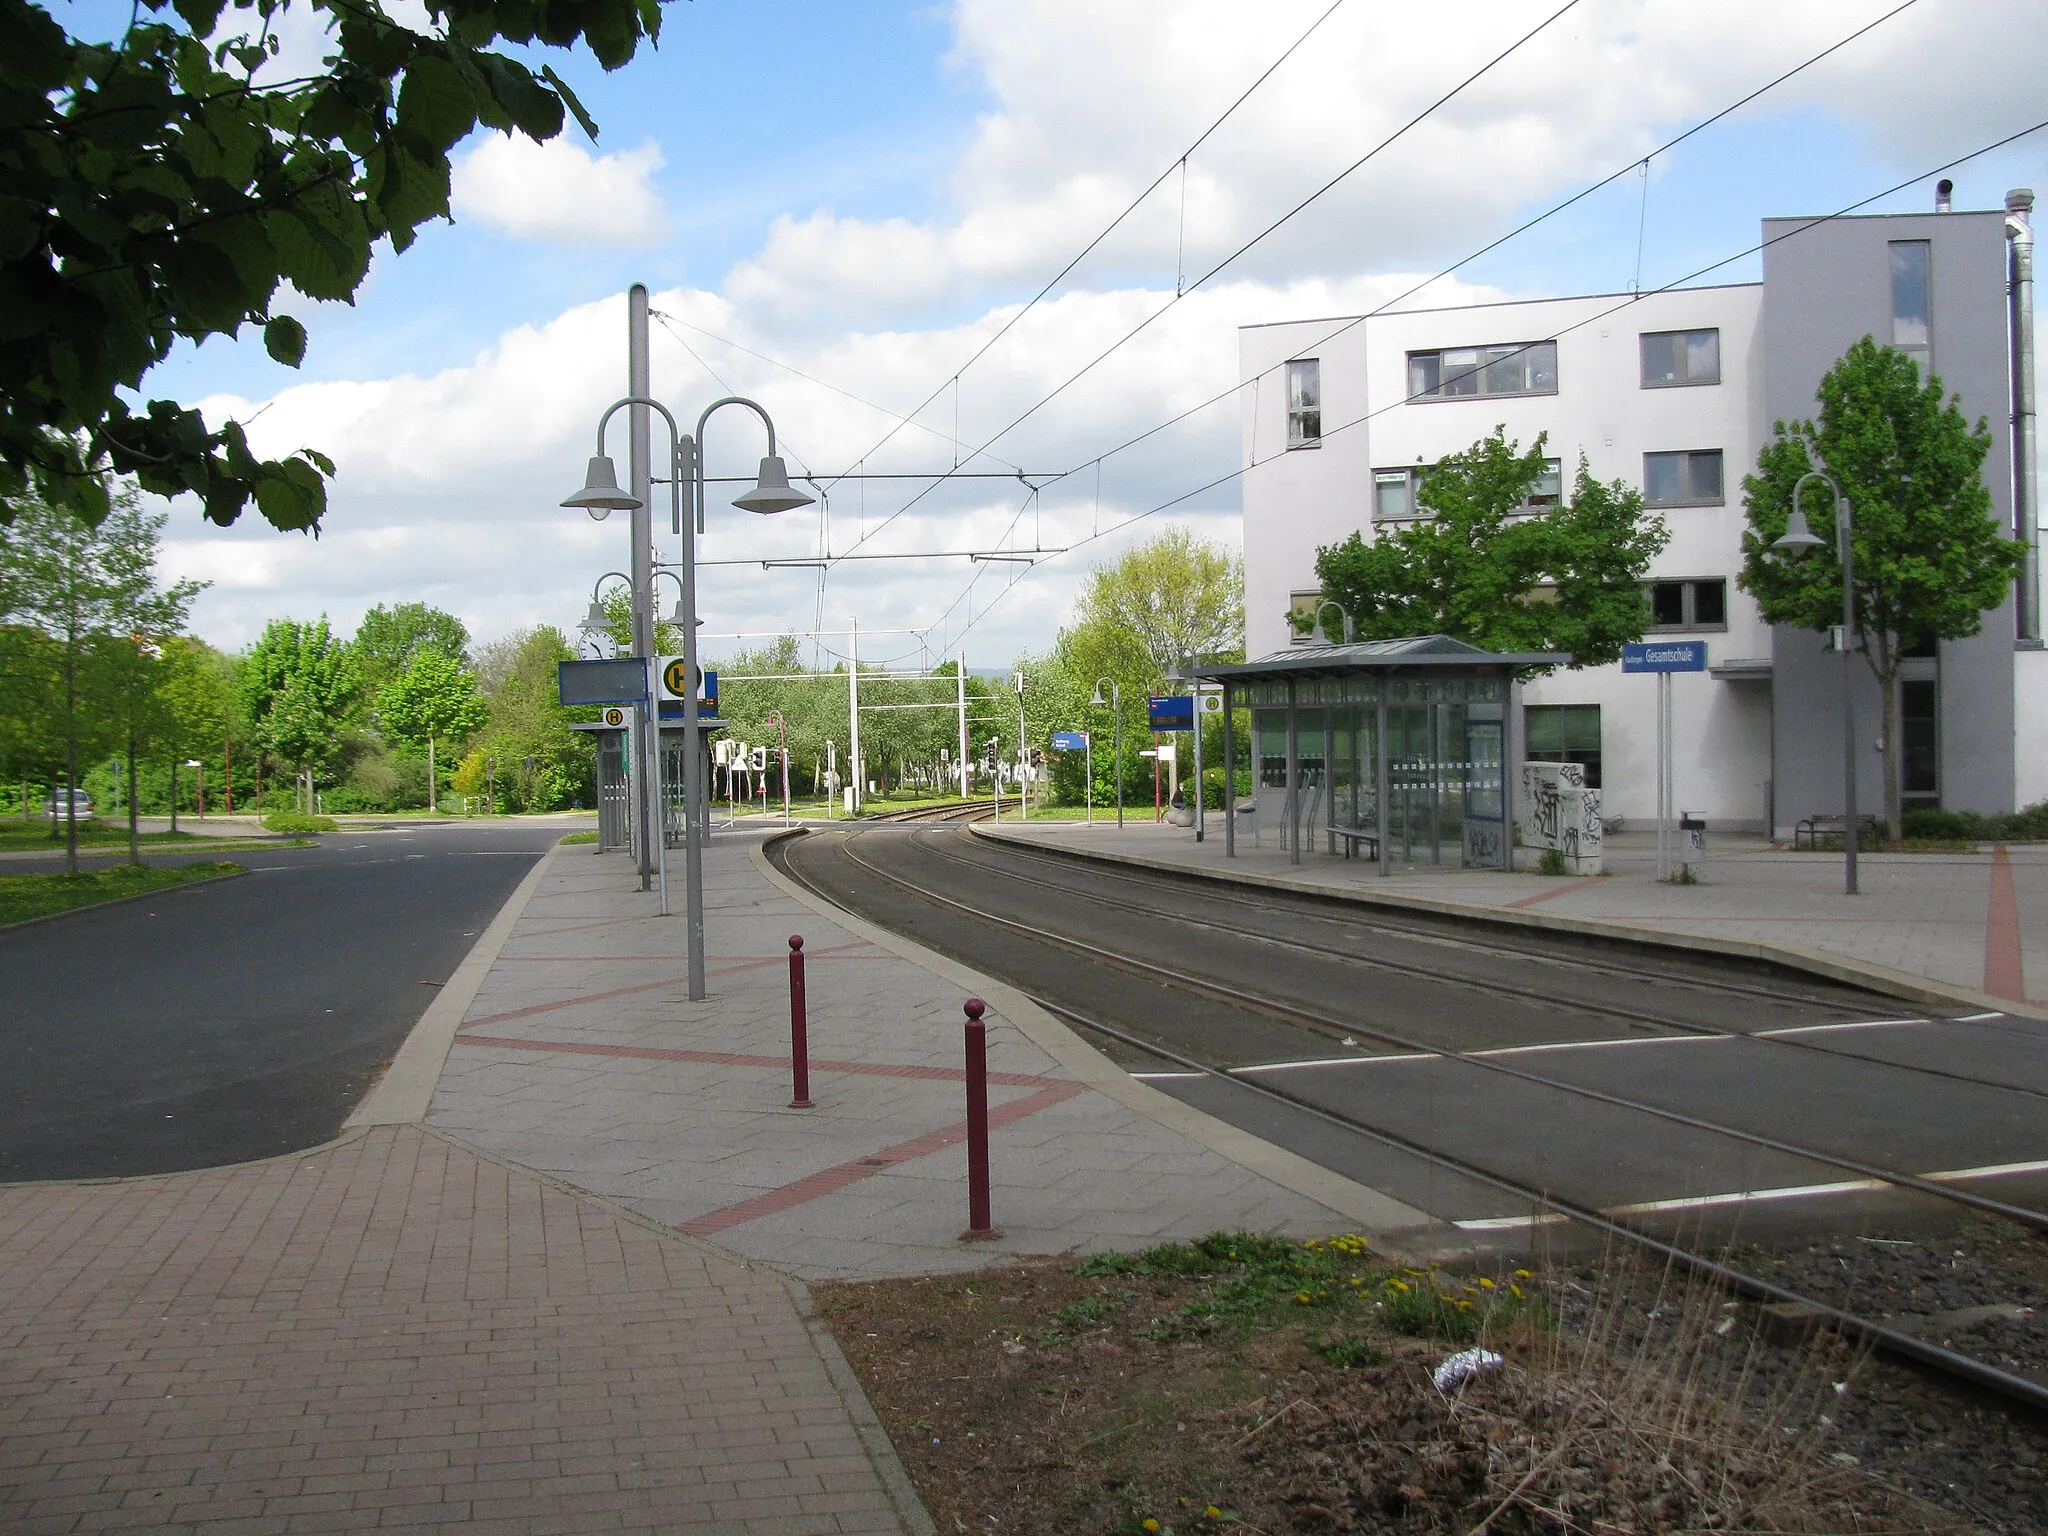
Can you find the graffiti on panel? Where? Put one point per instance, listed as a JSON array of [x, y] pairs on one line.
[[1559, 812]]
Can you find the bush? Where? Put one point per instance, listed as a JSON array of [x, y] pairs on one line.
[[297, 822], [2028, 825]]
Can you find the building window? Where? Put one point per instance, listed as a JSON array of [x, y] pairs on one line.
[[1912, 299], [1468, 373], [1393, 495], [1920, 736], [1304, 403], [1564, 733], [1691, 479], [1673, 358], [1548, 490], [1301, 609], [1688, 604]]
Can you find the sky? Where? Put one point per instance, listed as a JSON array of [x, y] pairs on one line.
[[835, 203]]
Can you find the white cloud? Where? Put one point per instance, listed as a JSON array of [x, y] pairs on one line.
[[449, 481], [556, 192]]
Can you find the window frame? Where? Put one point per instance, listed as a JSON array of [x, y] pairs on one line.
[[1923, 349], [1299, 414], [1689, 622], [1589, 759], [1412, 478], [1643, 340], [1507, 349], [1687, 455]]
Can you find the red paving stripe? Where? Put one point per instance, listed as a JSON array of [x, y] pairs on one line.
[[1557, 891], [832, 1180], [601, 997], [736, 1059], [2004, 975]]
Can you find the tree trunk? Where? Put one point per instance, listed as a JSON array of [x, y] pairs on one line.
[[70, 761], [433, 789], [174, 795], [1894, 794], [134, 846]]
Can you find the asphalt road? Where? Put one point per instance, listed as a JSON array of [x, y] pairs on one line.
[[1733, 1044], [238, 1018]]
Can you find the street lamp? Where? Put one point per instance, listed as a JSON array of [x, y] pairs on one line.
[[1796, 539], [1316, 625], [193, 762], [601, 495], [1116, 703], [596, 621]]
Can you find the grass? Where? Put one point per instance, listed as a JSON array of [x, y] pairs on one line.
[[34, 836], [580, 837], [25, 896], [298, 821]]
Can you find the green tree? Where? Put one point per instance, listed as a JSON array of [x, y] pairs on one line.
[[542, 764], [93, 592], [434, 699], [1486, 569], [299, 689], [388, 639], [160, 186], [1928, 557]]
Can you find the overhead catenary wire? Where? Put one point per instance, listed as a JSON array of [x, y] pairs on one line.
[[1145, 324], [1109, 229], [1592, 319]]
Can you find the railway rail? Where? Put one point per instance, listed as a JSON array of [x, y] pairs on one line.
[[1079, 906], [967, 810]]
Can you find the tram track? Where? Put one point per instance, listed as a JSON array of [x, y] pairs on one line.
[[1627, 1015], [972, 810], [1536, 1194], [1336, 1027]]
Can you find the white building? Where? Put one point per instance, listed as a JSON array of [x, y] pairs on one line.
[[1674, 393]]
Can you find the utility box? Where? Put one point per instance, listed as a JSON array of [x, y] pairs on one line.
[[1692, 839]]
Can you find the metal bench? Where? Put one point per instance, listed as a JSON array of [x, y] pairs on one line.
[[1352, 838], [1810, 831]]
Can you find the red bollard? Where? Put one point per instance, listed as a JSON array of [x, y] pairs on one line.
[[799, 1028], [978, 1223]]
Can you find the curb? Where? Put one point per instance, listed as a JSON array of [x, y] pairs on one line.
[[1814, 962], [1371, 1210], [406, 1090]]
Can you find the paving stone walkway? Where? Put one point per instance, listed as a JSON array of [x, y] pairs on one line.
[[397, 1331]]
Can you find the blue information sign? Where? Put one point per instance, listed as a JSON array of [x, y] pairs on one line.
[[1665, 656], [1172, 712], [1070, 741]]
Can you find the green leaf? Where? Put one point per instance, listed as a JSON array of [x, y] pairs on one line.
[[285, 340], [571, 100], [435, 105]]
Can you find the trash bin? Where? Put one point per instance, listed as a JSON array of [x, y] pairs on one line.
[[1692, 838]]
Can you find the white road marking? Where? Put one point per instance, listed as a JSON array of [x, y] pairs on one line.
[[1820, 1029], [1161, 1077], [1589, 1045], [1974, 1018], [1332, 1061], [1742, 1197]]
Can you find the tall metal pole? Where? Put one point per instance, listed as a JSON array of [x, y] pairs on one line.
[[1195, 700], [960, 684], [646, 717], [1230, 778], [2026, 516], [1116, 701], [1843, 533], [853, 716]]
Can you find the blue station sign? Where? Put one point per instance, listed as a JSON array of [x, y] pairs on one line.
[[1171, 712], [1665, 656], [1070, 741]]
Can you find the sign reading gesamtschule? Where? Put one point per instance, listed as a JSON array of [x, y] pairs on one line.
[[1665, 656]]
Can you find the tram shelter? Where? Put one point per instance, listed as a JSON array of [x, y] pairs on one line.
[[615, 798], [1396, 750]]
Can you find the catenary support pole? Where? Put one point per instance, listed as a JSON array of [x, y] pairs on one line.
[[960, 691], [799, 1028], [1293, 835], [1230, 778], [640, 432], [1845, 534], [853, 770]]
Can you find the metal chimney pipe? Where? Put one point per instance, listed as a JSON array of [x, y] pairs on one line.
[[2019, 233], [1944, 190]]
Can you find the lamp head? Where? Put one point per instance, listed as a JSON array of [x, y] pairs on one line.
[[601, 496], [1098, 701], [772, 491], [1797, 536], [678, 616], [595, 622]]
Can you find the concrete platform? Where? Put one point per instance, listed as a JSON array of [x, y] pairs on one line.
[[1973, 925]]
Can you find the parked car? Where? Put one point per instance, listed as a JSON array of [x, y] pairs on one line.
[[81, 805]]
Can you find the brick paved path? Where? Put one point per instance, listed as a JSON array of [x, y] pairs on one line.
[[396, 1331]]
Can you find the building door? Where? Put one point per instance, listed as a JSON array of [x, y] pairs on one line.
[[1919, 742]]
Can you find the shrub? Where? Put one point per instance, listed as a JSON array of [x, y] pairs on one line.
[[1945, 826], [297, 822]]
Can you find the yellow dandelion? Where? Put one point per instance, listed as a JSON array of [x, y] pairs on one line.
[[1522, 1274], [1212, 1513], [1485, 1285], [1517, 1290], [1149, 1526]]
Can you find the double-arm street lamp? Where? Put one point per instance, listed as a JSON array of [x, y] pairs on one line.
[[600, 495], [1796, 539], [1116, 704]]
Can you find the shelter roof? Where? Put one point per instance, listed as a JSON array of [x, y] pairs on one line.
[[1436, 651]]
